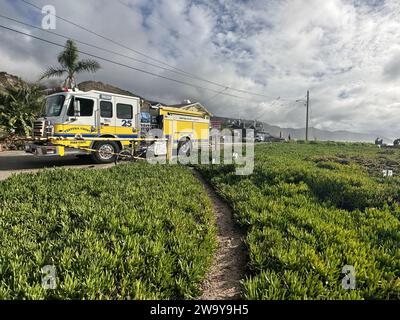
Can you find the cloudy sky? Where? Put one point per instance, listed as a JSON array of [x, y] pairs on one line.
[[346, 52]]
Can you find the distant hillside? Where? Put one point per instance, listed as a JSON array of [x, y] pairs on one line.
[[324, 135], [100, 86], [314, 134], [7, 80]]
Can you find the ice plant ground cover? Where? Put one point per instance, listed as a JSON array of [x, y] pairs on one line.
[[141, 231], [312, 209], [134, 231]]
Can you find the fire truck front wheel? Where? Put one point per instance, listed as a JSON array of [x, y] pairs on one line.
[[105, 153]]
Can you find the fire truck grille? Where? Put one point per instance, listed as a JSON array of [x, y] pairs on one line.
[[38, 129]]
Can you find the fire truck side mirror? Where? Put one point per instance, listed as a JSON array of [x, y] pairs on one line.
[[77, 108]]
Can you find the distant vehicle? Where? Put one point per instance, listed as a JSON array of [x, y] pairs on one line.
[[268, 138], [379, 142]]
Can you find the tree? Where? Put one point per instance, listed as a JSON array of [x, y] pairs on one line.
[[19, 106], [70, 65]]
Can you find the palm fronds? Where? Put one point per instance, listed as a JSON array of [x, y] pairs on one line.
[[87, 65], [68, 58], [70, 65], [53, 72]]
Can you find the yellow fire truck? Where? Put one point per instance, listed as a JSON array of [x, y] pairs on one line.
[[103, 124]]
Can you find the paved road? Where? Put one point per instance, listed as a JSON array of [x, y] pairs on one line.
[[17, 161]]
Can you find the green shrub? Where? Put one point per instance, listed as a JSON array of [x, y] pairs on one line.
[[306, 222], [19, 106], [130, 232]]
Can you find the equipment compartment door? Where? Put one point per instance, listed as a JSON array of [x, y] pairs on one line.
[[127, 117], [107, 118]]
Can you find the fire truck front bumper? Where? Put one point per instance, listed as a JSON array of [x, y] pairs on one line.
[[44, 150], [50, 150]]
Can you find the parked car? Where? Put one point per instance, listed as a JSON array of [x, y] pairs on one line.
[[268, 138]]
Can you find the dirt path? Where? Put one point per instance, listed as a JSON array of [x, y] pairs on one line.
[[229, 265]]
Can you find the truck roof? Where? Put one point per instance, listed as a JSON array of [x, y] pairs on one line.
[[91, 93], [183, 111]]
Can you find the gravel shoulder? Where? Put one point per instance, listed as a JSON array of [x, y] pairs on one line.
[[14, 162]]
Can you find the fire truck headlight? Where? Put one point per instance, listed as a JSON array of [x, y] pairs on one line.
[[50, 129]]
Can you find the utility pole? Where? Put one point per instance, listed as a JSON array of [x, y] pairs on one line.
[[307, 104], [307, 113]]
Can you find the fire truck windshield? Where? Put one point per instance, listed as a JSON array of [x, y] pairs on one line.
[[54, 105]]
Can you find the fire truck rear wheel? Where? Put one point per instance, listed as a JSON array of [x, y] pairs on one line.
[[105, 152]]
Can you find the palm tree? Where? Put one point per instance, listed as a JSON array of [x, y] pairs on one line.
[[70, 66]]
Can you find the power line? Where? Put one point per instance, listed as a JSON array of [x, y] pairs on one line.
[[92, 45], [101, 36], [121, 64], [214, 96], [100, 48], [149, 57], [261, 113]]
